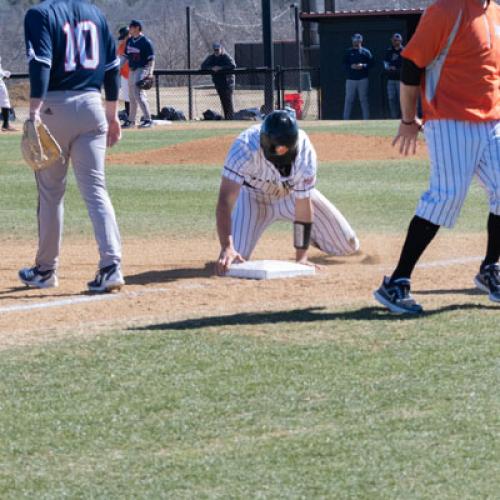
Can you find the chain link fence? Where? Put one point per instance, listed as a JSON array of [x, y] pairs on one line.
[[192, 91]]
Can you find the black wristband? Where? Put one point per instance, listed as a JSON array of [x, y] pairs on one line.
[[408, 123], [301, 235]]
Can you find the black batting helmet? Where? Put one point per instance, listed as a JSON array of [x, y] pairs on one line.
[[279, 129]]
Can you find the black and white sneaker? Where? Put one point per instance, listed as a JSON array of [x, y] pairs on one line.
[[107, 279], [488, 280], [128, 124], [146, 124], [32, 276], [396, 296]]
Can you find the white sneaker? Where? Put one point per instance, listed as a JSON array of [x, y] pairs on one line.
[[32, 276], [107, 279]]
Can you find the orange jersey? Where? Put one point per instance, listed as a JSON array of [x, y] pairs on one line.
[[458, 44], [124, 70]]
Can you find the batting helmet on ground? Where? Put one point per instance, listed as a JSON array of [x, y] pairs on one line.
[[279, 129]]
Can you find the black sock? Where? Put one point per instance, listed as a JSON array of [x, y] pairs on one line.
[[493, 248], [420, 233], [5, 117], [127, 108]]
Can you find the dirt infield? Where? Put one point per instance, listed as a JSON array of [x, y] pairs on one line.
[[173, 280], [329, 147]]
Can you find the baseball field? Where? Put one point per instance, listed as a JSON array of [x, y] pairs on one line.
[[189, 385]]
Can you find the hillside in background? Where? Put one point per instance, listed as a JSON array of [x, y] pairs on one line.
[[228, 20]]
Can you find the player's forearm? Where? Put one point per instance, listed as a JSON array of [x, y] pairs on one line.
[[150, 66], [302, 228], [35, 107], [303, 210], [111, 108], [112, 84], [224, 225], [39, 79], [408, 99]]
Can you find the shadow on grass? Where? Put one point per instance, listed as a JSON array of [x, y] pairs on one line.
[[308, 315], [167, 275]]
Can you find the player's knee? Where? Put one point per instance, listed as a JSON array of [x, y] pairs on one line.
[[353, 245]]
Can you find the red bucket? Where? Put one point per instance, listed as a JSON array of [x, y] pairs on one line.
[[296, 102]]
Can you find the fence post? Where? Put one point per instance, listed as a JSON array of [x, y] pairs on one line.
[[190, 85], [277, 78], [157, 88], [319, 94]]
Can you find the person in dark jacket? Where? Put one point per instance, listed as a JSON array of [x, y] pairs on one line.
[[224, 83], [392, 66], [357, 62]]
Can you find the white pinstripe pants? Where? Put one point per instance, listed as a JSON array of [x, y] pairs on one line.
[[458, 151], [330, 232]]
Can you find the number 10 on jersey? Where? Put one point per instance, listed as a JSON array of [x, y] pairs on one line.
[[81, 45]]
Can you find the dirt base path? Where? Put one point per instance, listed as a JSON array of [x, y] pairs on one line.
[[330, 147], [173, 280]]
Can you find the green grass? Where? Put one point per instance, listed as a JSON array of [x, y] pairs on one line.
[[338, 404], [152, 199], [290, 404]]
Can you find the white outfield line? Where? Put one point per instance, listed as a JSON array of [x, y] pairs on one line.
[[126, 295]]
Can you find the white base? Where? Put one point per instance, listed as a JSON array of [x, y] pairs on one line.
[[162, 122], [269, 269]]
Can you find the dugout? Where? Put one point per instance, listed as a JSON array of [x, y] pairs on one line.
[[335, 31]]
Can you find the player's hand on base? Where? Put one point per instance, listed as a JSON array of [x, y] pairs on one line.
[[114, 132], [226, 257], [302, 259], [407, 136]]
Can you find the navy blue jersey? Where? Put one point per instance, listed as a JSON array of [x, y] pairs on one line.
[[393, 59], [72, 38], [139, 51], [356, 56]]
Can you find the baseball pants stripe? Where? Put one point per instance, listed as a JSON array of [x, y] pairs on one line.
[[458, 151], [331, 232]]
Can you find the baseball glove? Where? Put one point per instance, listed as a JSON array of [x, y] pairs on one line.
[[39, 147], [146, 83]]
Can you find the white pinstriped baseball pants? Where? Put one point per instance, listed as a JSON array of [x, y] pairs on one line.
[[458, 151], [330, 232]]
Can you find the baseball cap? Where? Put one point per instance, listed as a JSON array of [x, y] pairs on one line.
[[135, 24], [357, 36], [122, 33], [216, 45], [397, 36]]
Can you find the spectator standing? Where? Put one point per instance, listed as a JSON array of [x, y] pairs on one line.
[[123, 35], [392, 67], [139, 53], [5, 101], [218, 62], [357, 62]]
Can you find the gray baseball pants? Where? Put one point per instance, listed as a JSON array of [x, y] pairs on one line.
[[78, 123], [137, 96], [393, 98], [359, 87]]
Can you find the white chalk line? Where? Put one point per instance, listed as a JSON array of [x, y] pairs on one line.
[[127, 295], [79, 300]]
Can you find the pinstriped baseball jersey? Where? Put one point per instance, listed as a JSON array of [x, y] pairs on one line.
[[266, 196], [246, 165]]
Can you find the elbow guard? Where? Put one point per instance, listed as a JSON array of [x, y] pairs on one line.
[[411, 74]]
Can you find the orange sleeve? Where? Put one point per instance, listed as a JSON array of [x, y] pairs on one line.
[[432, 33]]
